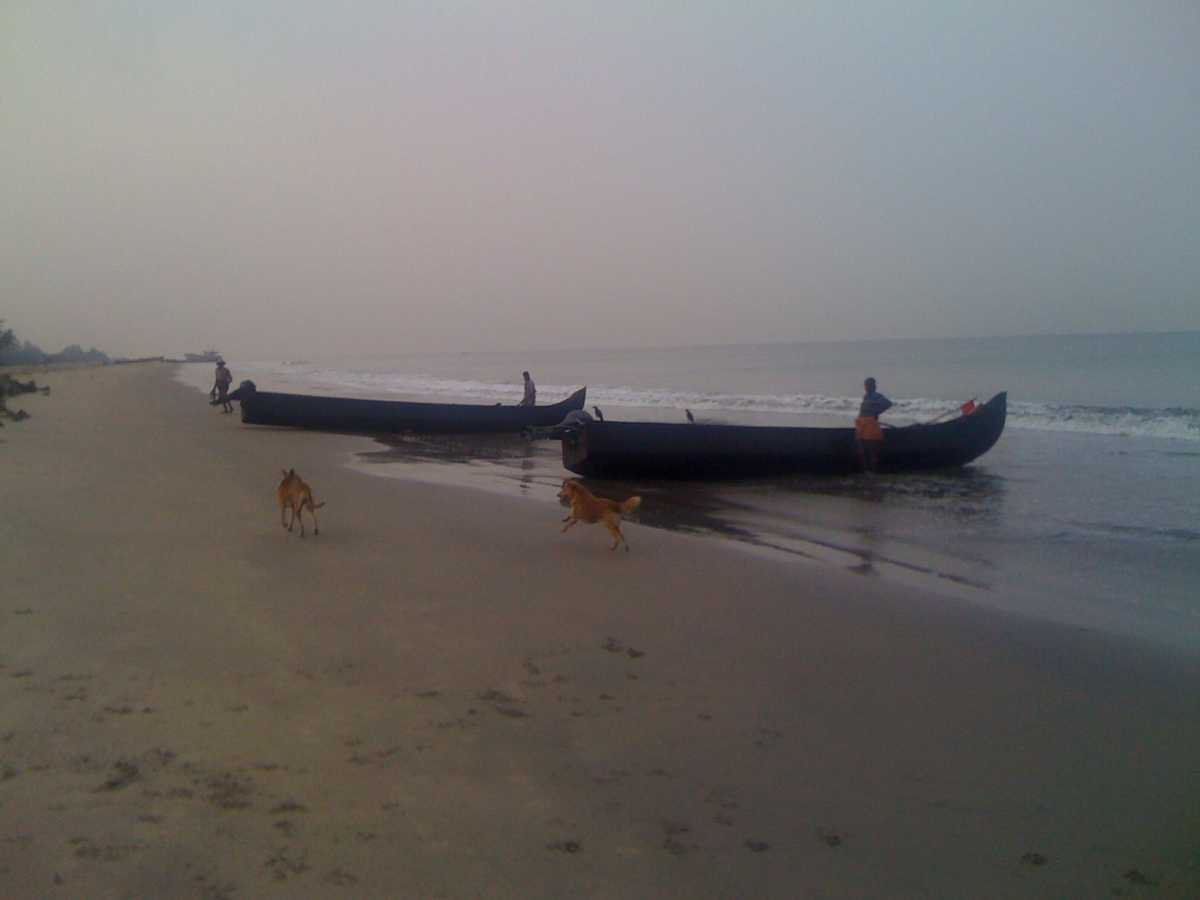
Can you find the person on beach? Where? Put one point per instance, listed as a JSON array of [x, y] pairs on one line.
[[221, 386], [867, 432], [530, 398]]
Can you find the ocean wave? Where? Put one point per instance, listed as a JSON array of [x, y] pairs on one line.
[[1175, 423], [1119, 529]]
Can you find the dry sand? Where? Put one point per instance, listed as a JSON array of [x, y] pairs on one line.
[[441, 696]]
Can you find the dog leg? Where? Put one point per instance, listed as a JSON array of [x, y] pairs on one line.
[[614, 528], [312, 510], [570, 521]]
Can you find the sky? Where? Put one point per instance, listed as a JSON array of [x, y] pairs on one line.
[[284, 179]]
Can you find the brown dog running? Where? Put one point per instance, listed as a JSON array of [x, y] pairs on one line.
[[295, 494], [587, 507]]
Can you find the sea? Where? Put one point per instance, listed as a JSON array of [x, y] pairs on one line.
[[1086, 512]]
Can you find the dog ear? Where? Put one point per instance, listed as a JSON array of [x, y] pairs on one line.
[[285, 474]]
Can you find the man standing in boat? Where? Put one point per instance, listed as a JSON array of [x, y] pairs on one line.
[[530, 398], [867, 432]]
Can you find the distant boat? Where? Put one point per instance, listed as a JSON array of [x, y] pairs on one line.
[[207, 356], [352, 415], [696, 451]]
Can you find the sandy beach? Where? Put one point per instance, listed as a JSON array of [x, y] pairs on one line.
[[441, 696]]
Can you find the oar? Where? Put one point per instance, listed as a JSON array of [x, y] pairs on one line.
[[966, 409]]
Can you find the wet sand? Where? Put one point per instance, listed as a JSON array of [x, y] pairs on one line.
[[802, 518], [443, 696], [972, 533]]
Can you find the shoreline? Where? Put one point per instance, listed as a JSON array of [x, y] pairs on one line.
[[489, 464], [977, 534], [442, 695]]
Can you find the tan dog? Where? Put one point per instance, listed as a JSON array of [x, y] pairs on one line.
[[295, 494], [587, 507]]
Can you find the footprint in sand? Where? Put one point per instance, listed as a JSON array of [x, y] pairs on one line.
[[288, 806], [829, 837], [86, 848], [229, 791], [125, 773], [767, 738], [722, 797], [613, 776], [671, 842], [340, 877], [286, 862], [502, 703], [511, 712], [612, 645], [1134, 876], [225, 891]]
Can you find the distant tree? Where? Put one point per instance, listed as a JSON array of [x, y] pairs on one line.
[[76, 354], [7, 339], [14, 352]]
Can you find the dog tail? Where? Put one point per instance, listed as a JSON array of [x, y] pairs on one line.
[[631, 504]]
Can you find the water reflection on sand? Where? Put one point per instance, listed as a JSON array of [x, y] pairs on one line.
[[897, 525]]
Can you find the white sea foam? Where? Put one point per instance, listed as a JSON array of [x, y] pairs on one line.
[[1175, 423]]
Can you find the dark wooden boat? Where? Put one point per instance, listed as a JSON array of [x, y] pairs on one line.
[[669, 450], [348, 414]]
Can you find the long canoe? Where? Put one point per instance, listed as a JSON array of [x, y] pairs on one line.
[[694, 451], [352, 415]]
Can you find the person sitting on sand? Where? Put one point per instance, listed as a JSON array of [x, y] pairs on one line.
[[221, 386], [867, 432], [530, 398]]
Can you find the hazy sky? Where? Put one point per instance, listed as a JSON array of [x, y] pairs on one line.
[[300, 178]]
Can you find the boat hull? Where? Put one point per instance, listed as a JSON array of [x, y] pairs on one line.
[[352, 415], [689, 451]]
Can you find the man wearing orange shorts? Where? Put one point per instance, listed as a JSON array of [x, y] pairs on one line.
[[867, 433]]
